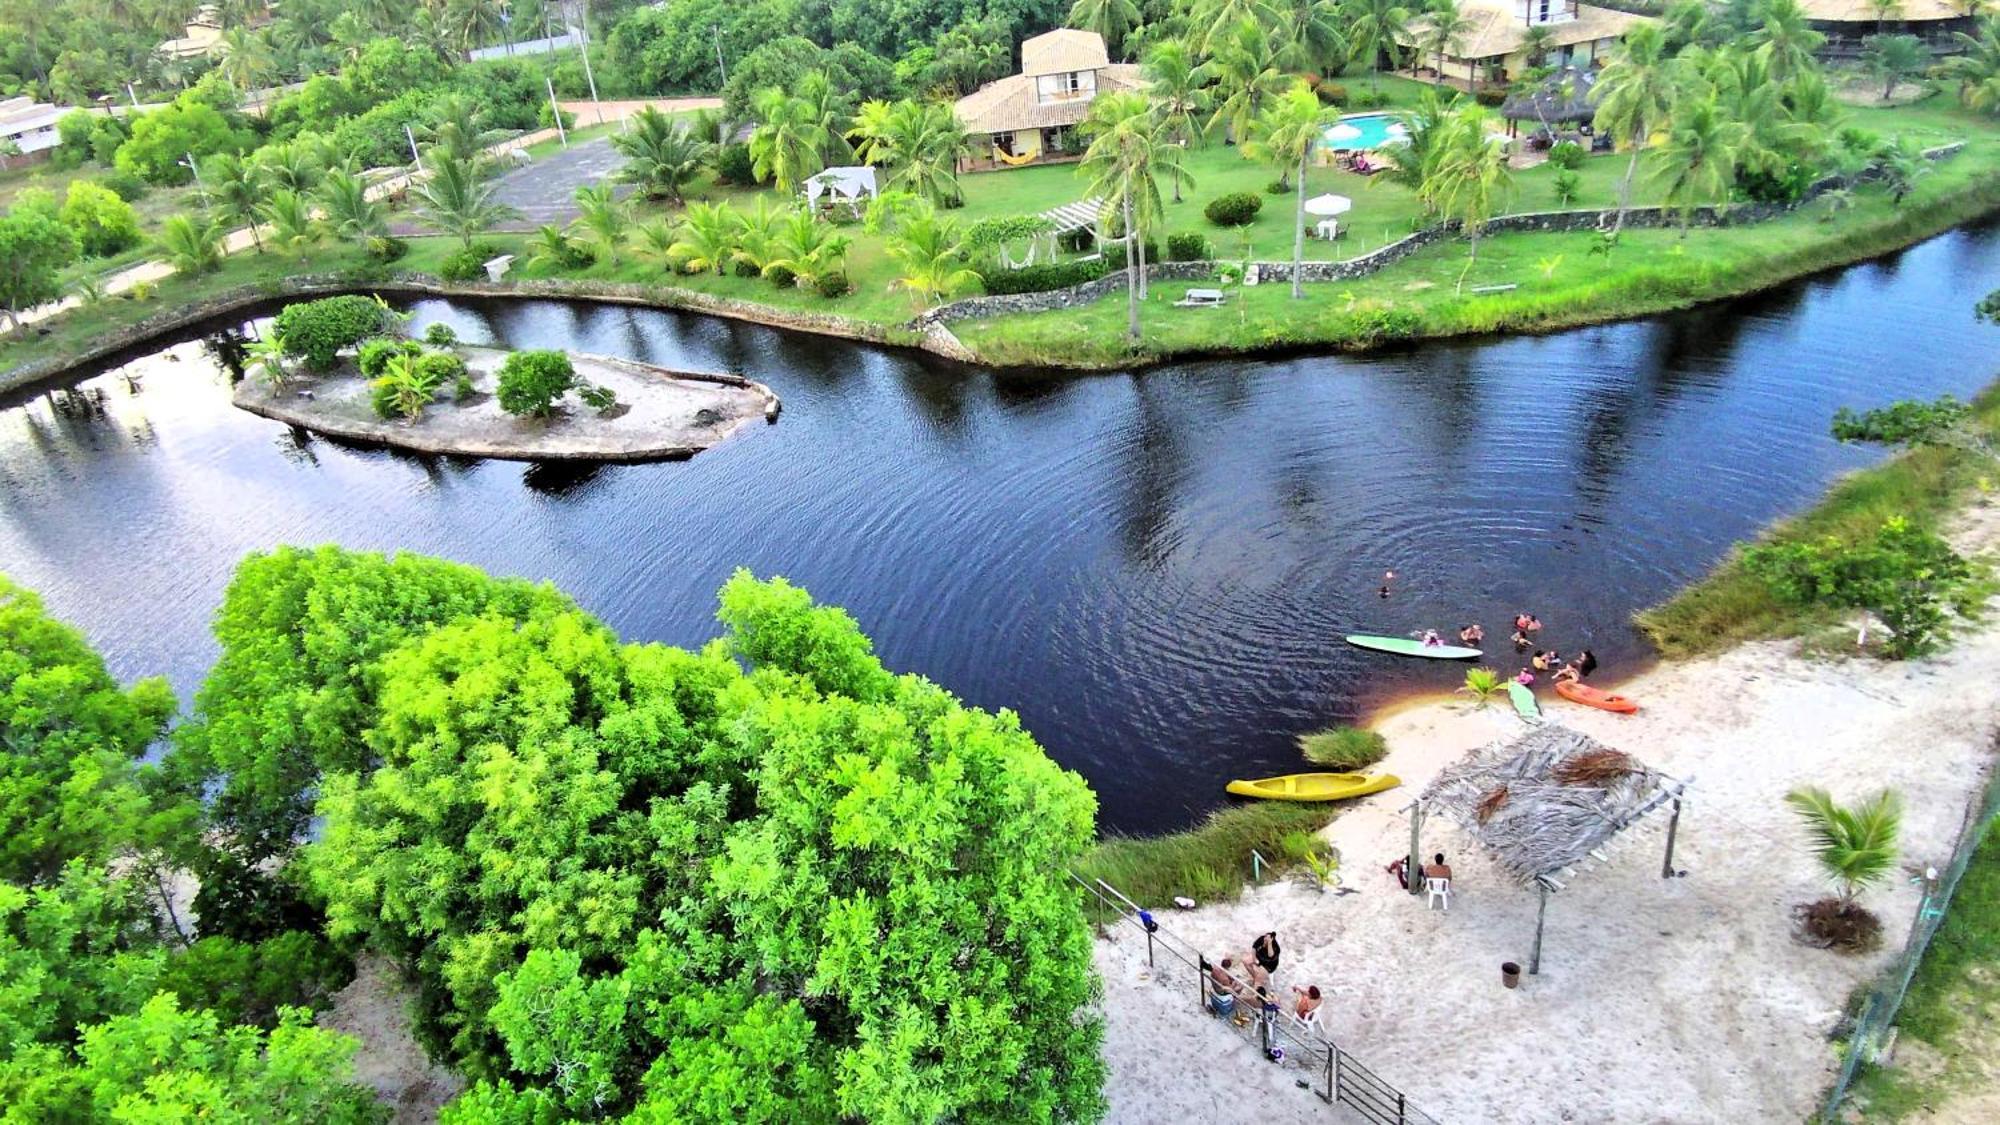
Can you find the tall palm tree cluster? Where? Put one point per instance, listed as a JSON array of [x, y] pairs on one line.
[[801, 131]]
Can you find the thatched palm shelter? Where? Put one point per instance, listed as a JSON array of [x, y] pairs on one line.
[[1544, 803], [1565, 97]]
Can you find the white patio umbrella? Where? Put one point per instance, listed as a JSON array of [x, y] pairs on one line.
[[1329, 205], [1342, 131]]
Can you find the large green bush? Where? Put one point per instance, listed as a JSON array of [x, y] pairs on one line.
[[1238, 208], [1037, 279], [315, 331], [1188, 246], [532, 382], [469, 263], [104, 224]]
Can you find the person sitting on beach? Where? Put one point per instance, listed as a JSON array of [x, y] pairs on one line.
[[1540, 661], [1223, 976], [1308, 1000], [1437, 868], [1568, 674], [1585, 663], [1471, 634], [1401, 870], [1260, 977]]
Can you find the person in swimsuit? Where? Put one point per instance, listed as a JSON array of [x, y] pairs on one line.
[[1568, 674], [1308, 1000], [1431, 639], [1540, 661], [1585, 663], [1471, 634]]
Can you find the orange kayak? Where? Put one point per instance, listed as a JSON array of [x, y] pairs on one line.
[[1591, 697]]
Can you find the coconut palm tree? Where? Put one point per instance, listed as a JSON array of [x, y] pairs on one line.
[[192, 244], [1535, 43], [1376, 28], [1634, 98], [246, 59], [1213, 21], [294, 167], [654, 240], [1471, 178], [1697, 164], [293, 226], [920, 143], [1123, 163], [1855, 845], [660, 154], [1884, 11], [1786, 40], [239, 189], [1313, 37], [706, 239], [456, 201], [785, 147], [1112, 19], [1890, 59], [930, 258], [602, 219], [1444, 29], [554, 247], [757, 234], [1284, 135], [809, 247], [350, 215], [456, 127], [827, 110], [1178, 86], [1246, 71], [1426, 129], [1746, 94], [1977, 68], [472, 22]]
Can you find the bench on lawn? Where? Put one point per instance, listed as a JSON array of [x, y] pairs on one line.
[[1200, 299]]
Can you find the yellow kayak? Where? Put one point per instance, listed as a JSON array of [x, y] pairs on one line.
[[1315, 786]]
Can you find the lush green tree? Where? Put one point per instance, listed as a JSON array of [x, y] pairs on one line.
[[1786, 40], [1284, 134], [1112, 19], [1470, 178], [163, 139], [457, 201], [34, 248], [1245, 66], [1214, 21], [1127, 157], [104, 224], [1909, 577], [787, 142], [1442, 30], [317, 331], [192, 244], [706, 238], [293, 225], [1313, 33], [1179, 88], [930, 255], [239, 189], [1427, 133], [1892, 58], [920, 143], [1855, 845], [808, 247], [533, 382], [296, 168], [602, 219], [247, 60], [1697, 164], [660, 154], [1635, 96], [350, 215], [1376, 28], [1976, 67]]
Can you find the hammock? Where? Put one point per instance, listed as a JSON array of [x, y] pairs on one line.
[[1010, 160]]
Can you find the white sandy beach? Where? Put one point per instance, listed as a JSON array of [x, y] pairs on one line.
[[1659, 1000]]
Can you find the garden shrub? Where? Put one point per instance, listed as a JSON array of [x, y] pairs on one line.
[[1236, 209], [1277, 187], [438, 334], [125, 186], [1492, 99], [734, 166], [104, 223], [1368, 99], [315, 331], [1566, 154], [468, 264], [832, 284], [1188, 246], [532, 381], [463, 388], [744, 267], [375, 354], [781, 276], [1331, 93], [1787, 185], [387, 248], [1038, 279], [439, 368]]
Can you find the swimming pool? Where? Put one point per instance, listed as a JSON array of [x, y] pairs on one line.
[[1362, 132]]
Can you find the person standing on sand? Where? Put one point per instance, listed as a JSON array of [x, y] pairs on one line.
[[1265, 949]]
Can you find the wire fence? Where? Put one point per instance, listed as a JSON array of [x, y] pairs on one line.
[[1279, 1036], [1879, 1007]]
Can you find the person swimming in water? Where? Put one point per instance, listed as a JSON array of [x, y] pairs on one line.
[[1431, 639], [1585, 663], [1472, 634]]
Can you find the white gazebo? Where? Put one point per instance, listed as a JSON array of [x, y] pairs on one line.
[[850, 184]]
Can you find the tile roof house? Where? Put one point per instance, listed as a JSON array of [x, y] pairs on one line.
[[30, 128], [1031, 117], [1494, 47]]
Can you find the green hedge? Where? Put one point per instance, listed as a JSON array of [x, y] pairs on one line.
[[1039, 279]]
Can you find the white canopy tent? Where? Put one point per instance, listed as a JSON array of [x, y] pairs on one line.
[[849, 184]]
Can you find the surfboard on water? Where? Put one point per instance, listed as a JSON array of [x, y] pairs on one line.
[[1524, 701], [1409, 646]]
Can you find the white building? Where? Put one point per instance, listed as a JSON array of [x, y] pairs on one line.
[[31, 127]]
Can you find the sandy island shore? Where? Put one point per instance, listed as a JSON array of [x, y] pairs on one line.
[[660, 415], [1660, 1000]]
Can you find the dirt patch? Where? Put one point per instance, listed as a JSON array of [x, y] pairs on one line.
[[375, 1010]]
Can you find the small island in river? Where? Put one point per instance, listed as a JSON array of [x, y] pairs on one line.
[[659, 414]]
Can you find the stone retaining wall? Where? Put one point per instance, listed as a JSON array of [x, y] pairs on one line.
[[1707, 215]]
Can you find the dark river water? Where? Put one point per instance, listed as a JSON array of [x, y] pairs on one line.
[[1153, 569]]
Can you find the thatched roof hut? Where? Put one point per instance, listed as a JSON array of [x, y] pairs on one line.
[[1546, 802], [1565, 97]]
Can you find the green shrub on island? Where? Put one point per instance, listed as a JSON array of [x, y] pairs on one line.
[[1188, 246], [596, 397], [316, 331], [438, 334], [1238, 208], [1343, 747], [442, 368], [407, 386], [532, 382], [374, 355], [832, 284], [468, 263]]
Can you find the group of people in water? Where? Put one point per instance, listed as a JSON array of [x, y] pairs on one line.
[[1544, 662], [1247, 980]]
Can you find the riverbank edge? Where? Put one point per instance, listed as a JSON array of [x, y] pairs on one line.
[[1638, 299], [303, 415]]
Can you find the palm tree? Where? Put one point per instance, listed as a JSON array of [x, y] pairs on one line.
[[1376, 28], [1246, 72], [757, 234], [826, 110], [1313, 39], [707, 237], [246, 58], [350, 215], [1691, 22], [554, 247], [473, 22], [239, 189], [1112, 19], [809, 247], [292, 224], [1444, 29], [1746, 94], [1634, 97], [1786, 40], [192, 244], [1855, 845], [785, 148], [1535, 43], [1697, 164], [1483, 685], [457, 129], [1284, 135], [1471, 177], [1900, 165], [1216, 20], [1977, 68], [1885, 10], [930, 257], [654, 240], [660, 154], [602, 218], [293, 167], [1426, 131], [1178, 86], [1892, 58], [920, 142], [456, 201], [1124, 162]]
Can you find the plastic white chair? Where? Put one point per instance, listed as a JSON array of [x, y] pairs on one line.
[[1437, 890], [1310, 1022]]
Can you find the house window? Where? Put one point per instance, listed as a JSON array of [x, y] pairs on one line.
[[1073, 82], [1057, 139], [1004, 142]]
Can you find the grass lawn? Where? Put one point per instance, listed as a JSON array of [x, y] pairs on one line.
[[1210, 861], [1953, 1009]]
